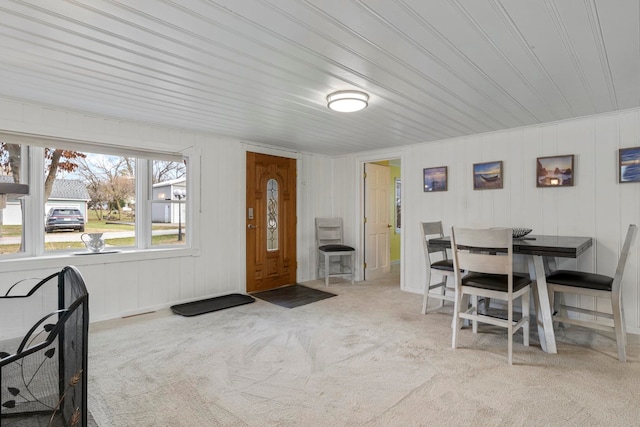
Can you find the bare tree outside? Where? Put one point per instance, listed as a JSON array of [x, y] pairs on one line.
[[10, 155], [166, 171], [56, 160], [110, 181]]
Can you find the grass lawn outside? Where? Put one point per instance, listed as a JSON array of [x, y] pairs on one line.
[[93, 226], [167, 239]]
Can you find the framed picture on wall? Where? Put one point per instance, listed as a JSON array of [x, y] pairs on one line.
[[398, 205], [554, 171], [435, 179], [629, 164], [487, 176]]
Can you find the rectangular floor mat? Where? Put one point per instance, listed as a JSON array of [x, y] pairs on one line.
[[212, 304], [293, 296]]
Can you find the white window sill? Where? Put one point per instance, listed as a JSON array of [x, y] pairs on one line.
[[58, 259]]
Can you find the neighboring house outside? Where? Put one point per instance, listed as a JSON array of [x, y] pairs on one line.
[[168, 212], [65, 193]]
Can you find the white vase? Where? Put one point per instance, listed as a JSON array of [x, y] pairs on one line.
[[95, 243]]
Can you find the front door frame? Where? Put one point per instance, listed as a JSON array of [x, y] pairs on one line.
[[242, 219]]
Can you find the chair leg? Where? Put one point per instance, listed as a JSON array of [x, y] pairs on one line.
[[353, 270], [558, 303], [510, 330], [326, 270], [443, 289], [618, 322], [474, 305], [526, 311], [624, 325], [425, 298], [486, 303], [456, 319]]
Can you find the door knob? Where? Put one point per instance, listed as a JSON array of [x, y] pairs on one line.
[[252, 226]]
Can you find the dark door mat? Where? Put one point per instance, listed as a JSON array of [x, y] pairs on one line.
[[293, 296], [212, 304]]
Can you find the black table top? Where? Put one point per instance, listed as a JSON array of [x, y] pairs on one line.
[[556, 246]]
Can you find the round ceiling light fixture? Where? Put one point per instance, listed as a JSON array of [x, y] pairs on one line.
[[347, 101]]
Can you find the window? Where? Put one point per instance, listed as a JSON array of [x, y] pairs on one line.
[[11, 207], [168, 203], [100, 188], [137, 199], [272, 215]]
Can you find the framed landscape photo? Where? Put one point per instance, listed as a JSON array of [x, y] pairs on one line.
[[554, 171], [487, 176], [629, 164], [435, 179]]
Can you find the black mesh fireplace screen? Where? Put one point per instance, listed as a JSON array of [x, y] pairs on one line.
[[43, 352]]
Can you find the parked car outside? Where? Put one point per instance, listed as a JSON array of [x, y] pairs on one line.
[[64, 219]]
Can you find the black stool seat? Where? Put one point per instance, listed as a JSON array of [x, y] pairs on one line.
[[495, 282], [336, 248], [581, 279], [445, 264]]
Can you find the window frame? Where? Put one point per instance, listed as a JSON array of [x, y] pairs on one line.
[[34, 210]]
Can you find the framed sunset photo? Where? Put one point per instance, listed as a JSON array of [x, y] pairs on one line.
[[434, 179], [555, 171], [487, 176]]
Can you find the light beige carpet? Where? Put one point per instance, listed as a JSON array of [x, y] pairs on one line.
[[366, 357]]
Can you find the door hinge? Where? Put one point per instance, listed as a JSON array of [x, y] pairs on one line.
[[365, 220], [365, 265], [364, 175]]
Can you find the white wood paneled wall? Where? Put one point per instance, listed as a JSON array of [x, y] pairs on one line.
[[123, 286], [596, 206]]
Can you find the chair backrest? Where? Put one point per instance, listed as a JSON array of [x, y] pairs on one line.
[[430, 230], [328, 231], [483, 251], [622, 261]]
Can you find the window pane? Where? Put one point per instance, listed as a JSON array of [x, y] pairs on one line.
[[11, 208], [272, 215], [11, 227], [168, 204], [89, 192]]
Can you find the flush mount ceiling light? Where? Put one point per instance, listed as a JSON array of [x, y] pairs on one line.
[[347, 101]]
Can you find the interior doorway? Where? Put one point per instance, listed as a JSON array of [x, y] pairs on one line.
[[271, 222], [382, 218]]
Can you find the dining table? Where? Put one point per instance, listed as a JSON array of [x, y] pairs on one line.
[[541, 252]]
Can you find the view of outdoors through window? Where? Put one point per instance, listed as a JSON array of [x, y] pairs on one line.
[[11, 216], [168, 203], [88, 192]]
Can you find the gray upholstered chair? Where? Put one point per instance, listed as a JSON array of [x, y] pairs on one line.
[[594, 285], [441, 267], [487, 256], [332, 252]]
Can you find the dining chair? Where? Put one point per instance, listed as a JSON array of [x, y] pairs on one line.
[[598, 286], [441, 268], [487, 255], [332, 251]]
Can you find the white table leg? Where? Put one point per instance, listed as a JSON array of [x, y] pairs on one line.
[[543, 309]]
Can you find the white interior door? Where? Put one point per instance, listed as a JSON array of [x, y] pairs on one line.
[[377, 225]]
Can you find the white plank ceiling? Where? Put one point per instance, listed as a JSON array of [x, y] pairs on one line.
[[260, 70]]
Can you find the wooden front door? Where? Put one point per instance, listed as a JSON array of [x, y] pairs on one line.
[[271, 221]]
